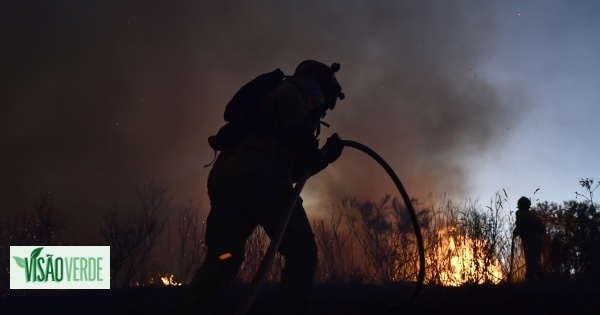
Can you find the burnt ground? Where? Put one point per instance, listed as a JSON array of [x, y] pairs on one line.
[[549, 298]]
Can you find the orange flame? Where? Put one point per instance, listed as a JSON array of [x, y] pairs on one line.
[[463, 265], [168, 281]]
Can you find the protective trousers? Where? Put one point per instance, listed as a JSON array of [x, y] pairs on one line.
[[532, 246], [246, 189]]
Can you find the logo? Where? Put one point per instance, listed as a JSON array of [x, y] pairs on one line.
[[60, 267]]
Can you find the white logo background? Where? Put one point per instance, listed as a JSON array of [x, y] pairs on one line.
[[100, 253]]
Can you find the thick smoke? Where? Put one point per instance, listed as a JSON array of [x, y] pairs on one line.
[[104, 97]]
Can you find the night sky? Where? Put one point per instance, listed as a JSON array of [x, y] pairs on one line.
[[463, 98]]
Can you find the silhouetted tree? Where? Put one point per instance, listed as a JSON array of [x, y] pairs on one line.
[[41, 226], [191, 248], [573, 238], [384, 232], [256, 247], [132, 232], [337, 260], [588, 184]]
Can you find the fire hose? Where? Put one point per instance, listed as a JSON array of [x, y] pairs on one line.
[[265, 265]]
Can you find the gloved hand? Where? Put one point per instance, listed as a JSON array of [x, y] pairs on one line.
[[330, 152], [332, 149]]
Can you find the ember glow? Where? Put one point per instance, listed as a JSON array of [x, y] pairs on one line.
[[168, 281], [225, 256]]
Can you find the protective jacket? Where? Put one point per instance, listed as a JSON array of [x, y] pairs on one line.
[[288, 132], [529, 226]]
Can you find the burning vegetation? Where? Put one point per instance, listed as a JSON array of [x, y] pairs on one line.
[[359, 241], [463, 262], [462, 244]]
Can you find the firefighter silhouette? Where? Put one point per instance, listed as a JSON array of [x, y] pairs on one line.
[[531, 230], [252, 177]]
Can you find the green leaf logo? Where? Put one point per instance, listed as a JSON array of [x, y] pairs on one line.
[[35, 253], [20, 261]]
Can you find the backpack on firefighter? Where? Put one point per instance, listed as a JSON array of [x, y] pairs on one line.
[[243, 110], [243, 113]]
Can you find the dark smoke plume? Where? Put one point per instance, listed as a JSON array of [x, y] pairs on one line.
[[101, 97]]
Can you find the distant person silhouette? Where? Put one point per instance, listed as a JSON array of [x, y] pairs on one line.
[[531, 230], [252, 177]]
